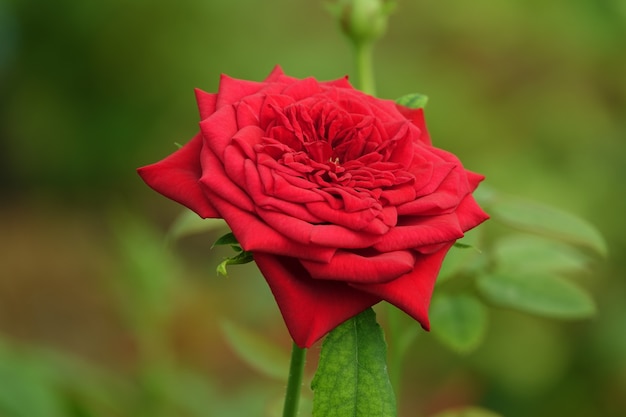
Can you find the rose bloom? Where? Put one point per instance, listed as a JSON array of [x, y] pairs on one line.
[[340, 196]]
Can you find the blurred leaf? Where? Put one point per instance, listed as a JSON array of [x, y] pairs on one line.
[[527, 253], [256, 351], [544, 295], [467, 412], [351, 378], [150, 271], [548, 221], [458, 321], [189, 223], [26, 390], [413, 101]]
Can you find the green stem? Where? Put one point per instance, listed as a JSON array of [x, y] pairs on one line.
[[363, 52], [294, 383]]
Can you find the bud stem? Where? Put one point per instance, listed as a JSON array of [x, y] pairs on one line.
[[363, 52]]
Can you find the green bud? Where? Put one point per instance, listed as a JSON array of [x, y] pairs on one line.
[[363, 21]]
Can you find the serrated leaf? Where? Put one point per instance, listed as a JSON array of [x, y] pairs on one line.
[[239, 259], [256, 351], [548, 221], [351, 379], [413, 101], [467, 412], [458, 321], [527, 253], [545, 295]]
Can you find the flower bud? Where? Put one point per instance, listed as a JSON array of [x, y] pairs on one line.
[[364, 21]]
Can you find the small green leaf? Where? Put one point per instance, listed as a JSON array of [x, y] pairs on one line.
[[239, 259], [351, 379], [467, 412], [227, 239], [458, 321], [256, 351], [544, 295], [464, 246], [548, 221], [413, 101]]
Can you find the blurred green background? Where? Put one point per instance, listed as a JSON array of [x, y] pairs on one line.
[[99, 317]]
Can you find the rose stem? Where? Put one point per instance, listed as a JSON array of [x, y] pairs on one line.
[[294, 383], [365, 67]]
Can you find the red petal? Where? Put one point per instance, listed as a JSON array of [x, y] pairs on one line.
[[416, 231], [177, 177], [309, 307], [413, 291], [206, 103], [231, 90], [351, 267]]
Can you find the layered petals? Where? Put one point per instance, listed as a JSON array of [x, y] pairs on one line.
[[340, 196]]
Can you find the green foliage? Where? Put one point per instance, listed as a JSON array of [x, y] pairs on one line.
[[351, 379], [530, 272], [542, 294], [413, 101], [548, 221], [458, 321], [242, 257]]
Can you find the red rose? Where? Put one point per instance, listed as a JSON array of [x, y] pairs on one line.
[[340, 196]]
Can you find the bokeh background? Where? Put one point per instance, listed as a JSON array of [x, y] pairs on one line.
[[100, 315]]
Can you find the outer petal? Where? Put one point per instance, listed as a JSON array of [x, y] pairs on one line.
[[177, 176], [413, 291], [206, 103], [351, 267], [416, 116], [470, 214], [310, 308], [419, 231]]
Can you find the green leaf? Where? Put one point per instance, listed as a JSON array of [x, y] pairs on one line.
[[548, 221], [351, 379], [413, 101], [545, 295], [256, 351], [467, 412], [239, 259], [527, 253], [458, 321], [227, 239]]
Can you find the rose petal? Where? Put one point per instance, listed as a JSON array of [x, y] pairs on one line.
[[470, 214], [232, 90], [330, 234], [352, 267], [310, 308], [412, 232], [412, 292], [416, 116], [177, 176], [253, 234], [206, 103]]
